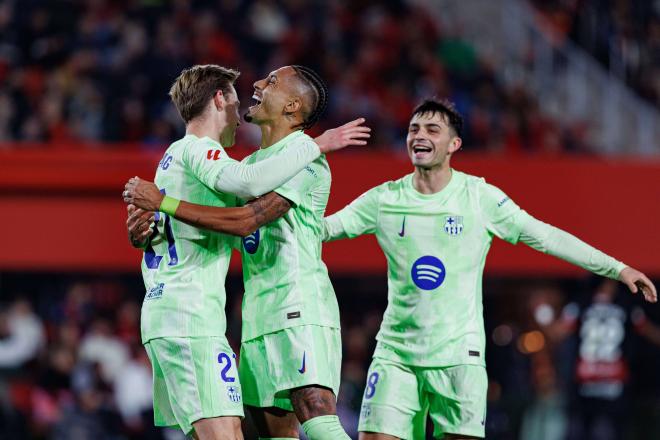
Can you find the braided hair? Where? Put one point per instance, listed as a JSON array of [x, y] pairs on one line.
[[314, 81]]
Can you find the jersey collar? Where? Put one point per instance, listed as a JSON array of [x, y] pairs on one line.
[[456, 178], [285, 140]]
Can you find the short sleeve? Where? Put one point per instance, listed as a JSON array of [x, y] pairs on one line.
[[500, 214]]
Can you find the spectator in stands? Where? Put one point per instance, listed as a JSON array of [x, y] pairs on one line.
[[24, 335], [101, 346], [73, 72]]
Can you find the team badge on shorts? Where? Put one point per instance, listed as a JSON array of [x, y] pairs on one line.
[[454, 224], [365, 411], [233, 393]]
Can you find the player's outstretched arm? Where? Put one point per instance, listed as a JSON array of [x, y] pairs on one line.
[[357, 218], [240, 221], [138, 225], [253, 180], [554, 241]]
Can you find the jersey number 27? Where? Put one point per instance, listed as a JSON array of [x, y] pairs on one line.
[[150, 258]]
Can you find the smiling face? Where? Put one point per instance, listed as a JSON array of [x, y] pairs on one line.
[[431, 140], [275, 96]]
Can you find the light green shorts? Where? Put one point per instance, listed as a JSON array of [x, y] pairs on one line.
[[397, 398], [194, 378], [272, 364]]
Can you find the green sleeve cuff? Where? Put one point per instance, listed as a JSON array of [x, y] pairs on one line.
[[618, 269]]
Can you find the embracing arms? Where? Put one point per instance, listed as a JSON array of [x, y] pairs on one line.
[[240, 221]]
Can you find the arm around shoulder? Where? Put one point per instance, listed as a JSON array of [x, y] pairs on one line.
[[253, 180]]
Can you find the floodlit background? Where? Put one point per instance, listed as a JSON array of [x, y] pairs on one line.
[[560, 100]]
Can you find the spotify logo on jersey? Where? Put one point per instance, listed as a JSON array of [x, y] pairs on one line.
[[428, 272], [251, 242]]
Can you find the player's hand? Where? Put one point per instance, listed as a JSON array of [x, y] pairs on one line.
[[353, 133], [139, 225], [143, 194], [635, 280]]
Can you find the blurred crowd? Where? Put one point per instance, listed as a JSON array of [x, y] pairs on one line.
[[566, 361], [72, 366], [80, 71], [623, 35]]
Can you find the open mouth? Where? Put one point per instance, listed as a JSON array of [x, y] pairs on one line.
[[257, 102], [421, 149]]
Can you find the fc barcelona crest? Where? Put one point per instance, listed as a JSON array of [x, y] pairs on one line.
[[454, 225], [234, 394]]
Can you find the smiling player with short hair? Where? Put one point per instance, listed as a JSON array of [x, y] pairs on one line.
[[435, 227]]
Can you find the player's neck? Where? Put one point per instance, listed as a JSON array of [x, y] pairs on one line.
[[273, 133], [431, 180], [203, 129]]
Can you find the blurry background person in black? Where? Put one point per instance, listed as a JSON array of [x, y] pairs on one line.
[[596, 332]]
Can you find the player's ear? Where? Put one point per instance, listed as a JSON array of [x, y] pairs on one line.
[[293, 105], [455, 144], [219, 100]]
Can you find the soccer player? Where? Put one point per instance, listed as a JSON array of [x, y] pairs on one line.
[[435, 227], [291, 343], [183, 326]]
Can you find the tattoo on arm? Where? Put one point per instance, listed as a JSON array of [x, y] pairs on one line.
[[269, 208], [239, 221]]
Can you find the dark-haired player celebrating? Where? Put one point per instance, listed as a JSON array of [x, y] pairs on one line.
[[291, 343], [435, 227]]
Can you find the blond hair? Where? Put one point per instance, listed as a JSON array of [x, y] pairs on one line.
[[192, 90]]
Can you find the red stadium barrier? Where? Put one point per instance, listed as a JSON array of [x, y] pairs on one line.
[[62, 209]]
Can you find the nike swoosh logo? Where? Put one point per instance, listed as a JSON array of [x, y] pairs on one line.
[[301, 370], [403, 227]]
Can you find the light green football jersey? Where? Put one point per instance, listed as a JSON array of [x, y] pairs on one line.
[[286, 282], [436, 248], [184, 267]]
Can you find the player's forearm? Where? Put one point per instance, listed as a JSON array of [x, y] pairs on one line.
[[250, 181], [553, 241], [267, 209], [234, 221]]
